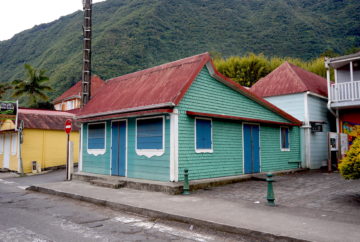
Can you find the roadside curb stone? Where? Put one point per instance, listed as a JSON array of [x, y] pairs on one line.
[[257, 235]]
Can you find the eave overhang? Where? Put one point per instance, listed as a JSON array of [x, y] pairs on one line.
[[238, 118]]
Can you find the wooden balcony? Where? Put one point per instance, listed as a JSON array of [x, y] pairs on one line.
[[346, 91]]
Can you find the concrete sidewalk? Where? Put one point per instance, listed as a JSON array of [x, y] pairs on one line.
[[254, 220]]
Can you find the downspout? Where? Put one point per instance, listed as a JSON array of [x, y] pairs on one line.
[[329, 89], [307, 134]]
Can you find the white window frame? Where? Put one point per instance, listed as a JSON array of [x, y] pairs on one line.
[[281, 148], [14, 143], [211, 150], [151, 152], [95, 152], [2, 136]]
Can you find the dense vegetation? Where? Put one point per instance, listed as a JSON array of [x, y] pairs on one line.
[[349, 166], [250, 68], [135, 34]]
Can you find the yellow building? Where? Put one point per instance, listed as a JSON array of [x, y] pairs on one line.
[[44, 140]]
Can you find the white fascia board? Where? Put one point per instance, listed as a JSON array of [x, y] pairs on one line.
[[126, 110]]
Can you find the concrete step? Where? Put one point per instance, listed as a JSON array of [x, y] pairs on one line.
[[108, 183]]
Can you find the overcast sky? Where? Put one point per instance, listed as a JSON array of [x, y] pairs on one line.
[[18, 15]]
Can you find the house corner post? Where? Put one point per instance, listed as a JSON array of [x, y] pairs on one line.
[[174, 142]]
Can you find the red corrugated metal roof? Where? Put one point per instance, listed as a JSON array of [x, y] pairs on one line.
[[160, 87], [44, 119], [75, 91], [289, 79]]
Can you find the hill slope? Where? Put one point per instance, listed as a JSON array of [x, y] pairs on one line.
[[134, 34]]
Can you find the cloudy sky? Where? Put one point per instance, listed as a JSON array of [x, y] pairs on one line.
[[18, 15]]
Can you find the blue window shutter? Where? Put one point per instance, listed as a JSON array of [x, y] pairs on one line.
[[203, 134], [284, 138], [96, 136], [150, 133]]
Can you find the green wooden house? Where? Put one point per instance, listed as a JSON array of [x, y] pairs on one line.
[[154, 123]]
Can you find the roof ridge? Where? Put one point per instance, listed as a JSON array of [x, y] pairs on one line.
[[296, 74], [157, 68]]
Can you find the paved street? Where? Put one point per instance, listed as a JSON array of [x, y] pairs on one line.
[[312, 193], [29, 216]]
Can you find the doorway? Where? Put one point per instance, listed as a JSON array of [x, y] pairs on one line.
[[251, 148]]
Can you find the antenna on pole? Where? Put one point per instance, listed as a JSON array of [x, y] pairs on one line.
[[86, 72]]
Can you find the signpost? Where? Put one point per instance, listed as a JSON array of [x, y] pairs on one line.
[[68, 127]]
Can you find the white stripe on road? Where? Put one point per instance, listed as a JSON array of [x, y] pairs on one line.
[[6, 182], [164, 229], [22, 187]]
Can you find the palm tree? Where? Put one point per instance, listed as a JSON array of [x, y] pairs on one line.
[[3, 88], [33, 86]]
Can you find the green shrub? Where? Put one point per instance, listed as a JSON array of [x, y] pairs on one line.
[[350, 165]]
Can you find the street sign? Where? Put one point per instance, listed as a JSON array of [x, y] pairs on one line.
[[68, 126]]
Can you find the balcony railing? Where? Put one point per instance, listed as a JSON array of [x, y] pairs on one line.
[[346, 91]]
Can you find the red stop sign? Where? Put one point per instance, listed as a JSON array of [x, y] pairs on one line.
[[68, 126]]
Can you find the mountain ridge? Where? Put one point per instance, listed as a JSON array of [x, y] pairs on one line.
[[138, 34]]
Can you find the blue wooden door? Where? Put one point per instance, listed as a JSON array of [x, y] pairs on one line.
[[251, 149], [118, 158]]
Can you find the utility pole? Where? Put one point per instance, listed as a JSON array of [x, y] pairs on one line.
[[86, 73]]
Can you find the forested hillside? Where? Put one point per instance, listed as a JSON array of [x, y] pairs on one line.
[[129, 35]]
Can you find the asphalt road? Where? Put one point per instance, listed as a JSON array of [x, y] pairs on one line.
[[30, 216]]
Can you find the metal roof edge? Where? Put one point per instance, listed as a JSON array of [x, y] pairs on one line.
[[237, 87], [222, 116], [161, 105]]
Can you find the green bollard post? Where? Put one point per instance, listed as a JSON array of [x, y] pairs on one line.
[[186, 187], [270, 191]]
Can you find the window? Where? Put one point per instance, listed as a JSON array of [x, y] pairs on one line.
[[96, 136], [70, 105], [284, 139], [150, 134], [203, 135], [13, 144]]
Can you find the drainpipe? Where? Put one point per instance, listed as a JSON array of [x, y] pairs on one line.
[[329, 91], [307, 131]]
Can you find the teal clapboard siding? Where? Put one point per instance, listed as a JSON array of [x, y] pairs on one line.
[[154, 168], [99, 164], [272, 158], [318, 141], [208, 95], [138, 166]]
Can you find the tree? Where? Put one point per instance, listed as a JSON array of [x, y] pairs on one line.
[[33, 87], [3, 88], [350, 165], [244, 70]]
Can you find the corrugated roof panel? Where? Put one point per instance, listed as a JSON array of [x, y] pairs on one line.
[[289, 79], [154, 86], [45, 119], [96, 83]]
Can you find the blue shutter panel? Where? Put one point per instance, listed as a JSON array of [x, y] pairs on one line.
[[203, 134], [284, 138], [150, 133], [96, 136]]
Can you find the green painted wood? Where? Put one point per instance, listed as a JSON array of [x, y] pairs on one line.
[[154, 168], [208, 95], [99, 164], [272, 158]]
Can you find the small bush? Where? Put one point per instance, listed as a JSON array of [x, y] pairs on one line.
[[350, 165]]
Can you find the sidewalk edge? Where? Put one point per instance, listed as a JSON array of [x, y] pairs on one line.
[[167, 216]]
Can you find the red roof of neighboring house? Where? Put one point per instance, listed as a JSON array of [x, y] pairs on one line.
[[44, 119], [159, 87], [75, 91], [289, 79]]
